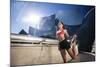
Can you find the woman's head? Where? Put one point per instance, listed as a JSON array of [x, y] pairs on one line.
[[60, 25]]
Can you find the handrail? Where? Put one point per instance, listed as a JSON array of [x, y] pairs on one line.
[[26, 39]]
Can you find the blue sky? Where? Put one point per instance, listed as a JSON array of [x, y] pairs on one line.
[[69, 14]]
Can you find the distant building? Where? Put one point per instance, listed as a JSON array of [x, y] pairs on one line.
[[32, 31], [46, 27], [23, 32]]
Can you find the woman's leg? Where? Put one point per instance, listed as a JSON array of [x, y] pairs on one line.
[[71, 53], [63, 54], [74, 48]]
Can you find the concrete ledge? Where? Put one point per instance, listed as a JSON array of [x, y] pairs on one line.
[[36, 55]]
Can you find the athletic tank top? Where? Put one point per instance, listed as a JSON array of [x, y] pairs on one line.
[[61, 32]]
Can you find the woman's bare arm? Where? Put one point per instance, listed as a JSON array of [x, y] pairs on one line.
[[66, 32]]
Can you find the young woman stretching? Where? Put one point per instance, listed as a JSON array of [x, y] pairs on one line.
[[64, 45]]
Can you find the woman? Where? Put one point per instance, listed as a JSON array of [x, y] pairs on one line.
[[64, 45]]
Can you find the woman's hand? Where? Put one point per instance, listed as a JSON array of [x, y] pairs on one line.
[[58, 31]]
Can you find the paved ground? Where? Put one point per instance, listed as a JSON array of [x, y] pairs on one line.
[[38, 54]]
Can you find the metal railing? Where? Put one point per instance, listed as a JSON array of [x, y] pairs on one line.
[[27, 40]]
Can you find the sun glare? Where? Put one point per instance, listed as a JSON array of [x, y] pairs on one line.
[[32, 18]]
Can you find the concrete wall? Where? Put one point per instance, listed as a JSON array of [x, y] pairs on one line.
[[37, 54]]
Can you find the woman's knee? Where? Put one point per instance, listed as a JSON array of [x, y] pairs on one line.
[[71, 53]]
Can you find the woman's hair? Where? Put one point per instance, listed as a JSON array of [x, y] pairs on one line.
[[62, 24]]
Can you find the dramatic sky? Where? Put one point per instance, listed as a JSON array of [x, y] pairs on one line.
[[23, 13]]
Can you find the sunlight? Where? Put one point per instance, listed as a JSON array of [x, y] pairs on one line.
[[32, 18]]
